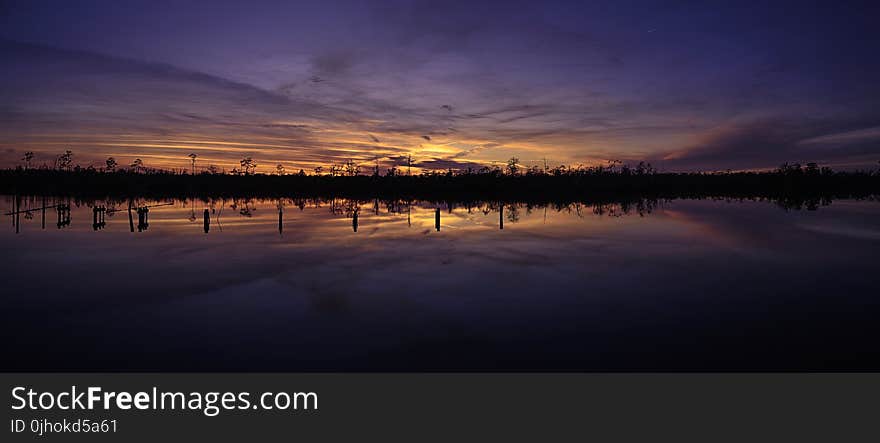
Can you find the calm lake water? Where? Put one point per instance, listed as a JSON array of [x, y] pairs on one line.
[[683, 285]]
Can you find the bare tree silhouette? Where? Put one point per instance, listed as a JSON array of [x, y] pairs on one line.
[[192, 157], [351, 168], [28, 156], [65, 161], [248, 165], [512, 166]]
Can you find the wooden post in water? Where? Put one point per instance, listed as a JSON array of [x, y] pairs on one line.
[[16, 206], [207, 217], [43, 222], [141, 219], [354, 222], [280, 218], [63, 215], [501, 217], [130, 219], [437, 219]]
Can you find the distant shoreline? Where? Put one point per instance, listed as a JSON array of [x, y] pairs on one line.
[[779, 184]]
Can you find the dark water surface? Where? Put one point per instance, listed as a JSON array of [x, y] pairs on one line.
[[685, 285]]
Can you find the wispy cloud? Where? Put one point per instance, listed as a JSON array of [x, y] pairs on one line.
[[576, 82]]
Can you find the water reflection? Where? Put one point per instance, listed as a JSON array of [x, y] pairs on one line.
[[382, 211], [340, 284]]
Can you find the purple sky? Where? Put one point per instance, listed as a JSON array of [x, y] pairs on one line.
[[685, 85]]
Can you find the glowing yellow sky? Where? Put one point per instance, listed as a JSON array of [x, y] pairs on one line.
[[335, 146]]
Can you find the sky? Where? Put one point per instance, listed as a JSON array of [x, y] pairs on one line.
[[685, 85]]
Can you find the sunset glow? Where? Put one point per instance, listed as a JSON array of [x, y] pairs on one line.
[[688, 86]]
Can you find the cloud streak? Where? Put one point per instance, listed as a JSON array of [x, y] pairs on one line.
[[574, 82]]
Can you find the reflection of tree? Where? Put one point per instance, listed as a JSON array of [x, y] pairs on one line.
[[112, 208], [219, 212], [512, 213], [192, 211], [244, 208], [397, 206], [345, 207]]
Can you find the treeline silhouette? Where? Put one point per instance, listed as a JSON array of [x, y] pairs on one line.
[[788, 182]]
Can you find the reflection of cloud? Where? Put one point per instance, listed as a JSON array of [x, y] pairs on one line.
[[844, 231], [764, 228]]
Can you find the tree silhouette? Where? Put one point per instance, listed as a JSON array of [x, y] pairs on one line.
[[192, 157], [137, 164], [111, 164], [65, 160], [280, 168], [512, 167], [248, 164], [512, 213], [352, 169], [28, 156]]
